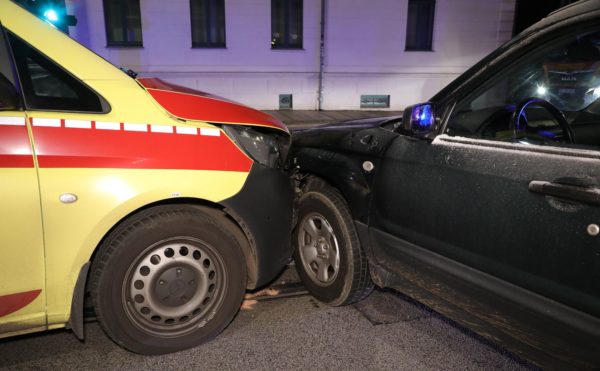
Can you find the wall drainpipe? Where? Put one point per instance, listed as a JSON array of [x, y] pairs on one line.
[[321, 58]]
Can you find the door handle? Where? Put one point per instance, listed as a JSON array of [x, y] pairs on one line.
[[587, 195]]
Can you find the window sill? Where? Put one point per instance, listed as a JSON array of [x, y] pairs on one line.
[[209, 46], [125, 46], [286, 48]]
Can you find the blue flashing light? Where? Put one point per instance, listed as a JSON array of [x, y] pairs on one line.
[[51, 15], [422, 117]]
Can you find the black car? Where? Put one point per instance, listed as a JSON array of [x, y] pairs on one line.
[[483, 203]]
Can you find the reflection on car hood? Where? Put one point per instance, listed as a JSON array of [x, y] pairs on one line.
[[358, 136], [347, 126], [192, 104]]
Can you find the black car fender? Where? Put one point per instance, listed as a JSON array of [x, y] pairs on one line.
[[347, 162]]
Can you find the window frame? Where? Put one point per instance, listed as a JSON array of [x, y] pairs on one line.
[[123, 20], [104, 105], [207, 26], [506, 66], [287, 11], [429, 27], [14, 75]]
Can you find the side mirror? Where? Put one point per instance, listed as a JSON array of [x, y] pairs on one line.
[[9, 97], [419, 120]]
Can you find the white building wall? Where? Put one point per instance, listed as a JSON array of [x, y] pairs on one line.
[[364, 49]]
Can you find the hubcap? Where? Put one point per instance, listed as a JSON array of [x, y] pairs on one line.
[[319, 250], [173, 285]]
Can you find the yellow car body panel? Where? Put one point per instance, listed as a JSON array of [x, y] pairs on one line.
[[21, 247], [106, 196]]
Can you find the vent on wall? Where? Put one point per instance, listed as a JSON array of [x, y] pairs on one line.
[[285, 101], [374, 101]]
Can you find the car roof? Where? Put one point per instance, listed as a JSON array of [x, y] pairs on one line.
[[569, 11]]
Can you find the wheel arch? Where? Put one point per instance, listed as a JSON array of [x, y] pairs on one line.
[[339, 171], [214, 209], [241, 234]]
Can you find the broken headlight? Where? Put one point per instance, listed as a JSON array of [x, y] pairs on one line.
[[265, 148]]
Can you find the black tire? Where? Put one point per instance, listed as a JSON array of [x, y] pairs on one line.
[[167, 279], [327, 251]]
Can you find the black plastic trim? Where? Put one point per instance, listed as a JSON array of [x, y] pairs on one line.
[[263, 208], [76, 318]]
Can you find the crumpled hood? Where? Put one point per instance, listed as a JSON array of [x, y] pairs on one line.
[[190, 104]]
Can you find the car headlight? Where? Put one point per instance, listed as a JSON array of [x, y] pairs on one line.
[[265, 148]]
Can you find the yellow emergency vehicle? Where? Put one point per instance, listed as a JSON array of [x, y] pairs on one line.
[[161, 202]]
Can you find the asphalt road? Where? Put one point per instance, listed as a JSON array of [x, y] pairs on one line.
[[384, 332]]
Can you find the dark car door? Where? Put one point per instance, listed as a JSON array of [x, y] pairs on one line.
[[506, 201]]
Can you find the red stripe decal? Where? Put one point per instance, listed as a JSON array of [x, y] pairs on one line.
[[15, 149], [93, 148], [13, 302]]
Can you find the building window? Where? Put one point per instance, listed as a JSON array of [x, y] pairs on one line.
[[419, 27], [123, 22], [286, 24], [208, 23]]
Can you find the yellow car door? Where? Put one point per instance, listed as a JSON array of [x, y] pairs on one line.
[[22, 290]]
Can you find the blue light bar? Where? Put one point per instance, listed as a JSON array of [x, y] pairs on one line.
[[422, 118], [51, 15]]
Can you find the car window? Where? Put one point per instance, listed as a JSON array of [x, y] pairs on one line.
[[46, 86], [563, 75]]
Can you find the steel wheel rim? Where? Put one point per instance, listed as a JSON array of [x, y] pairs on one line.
[[318, 249], [174, 287]]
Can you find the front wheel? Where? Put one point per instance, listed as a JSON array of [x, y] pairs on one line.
[[167, 279], [327, 253]]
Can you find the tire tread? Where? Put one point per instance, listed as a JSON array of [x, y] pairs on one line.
[[115, 239], [361, 285]]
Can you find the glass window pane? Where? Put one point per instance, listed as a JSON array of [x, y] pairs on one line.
[[295, 22], [419, 26], [46, 85], [134, 21], [277, 23], [563, 73], [123, 22], [208, 23], [286, 24], [199, 31], [220, 22], [114, 28]]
